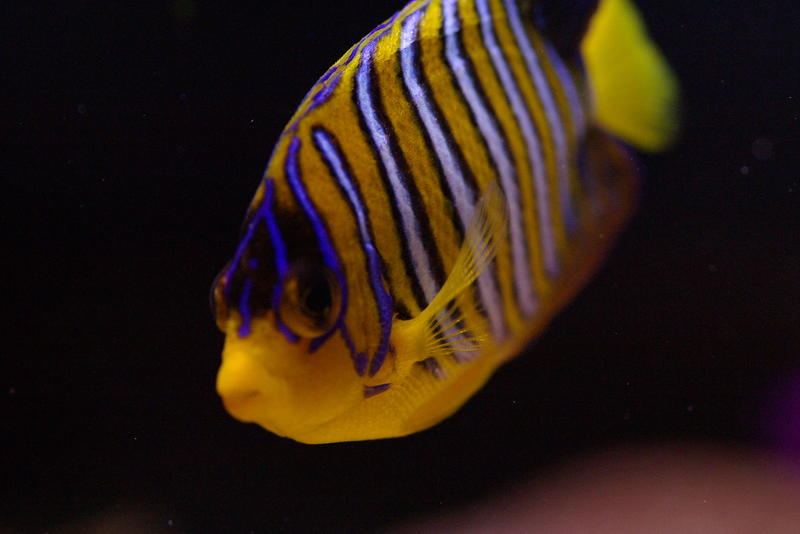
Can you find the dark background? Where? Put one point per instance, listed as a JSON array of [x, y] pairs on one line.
[[134, 134]]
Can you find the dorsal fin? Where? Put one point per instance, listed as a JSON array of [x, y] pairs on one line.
[[564, 22]]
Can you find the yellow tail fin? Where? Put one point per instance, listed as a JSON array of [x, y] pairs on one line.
[[635, 95]]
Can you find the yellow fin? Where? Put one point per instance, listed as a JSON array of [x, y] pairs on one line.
[[436, 331], [634, 91]]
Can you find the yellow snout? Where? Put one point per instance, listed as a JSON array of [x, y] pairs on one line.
[[266, 379], [247, 390]]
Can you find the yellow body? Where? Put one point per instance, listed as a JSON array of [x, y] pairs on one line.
[[311, 392]]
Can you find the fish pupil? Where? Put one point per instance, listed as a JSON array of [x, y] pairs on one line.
[[316, 299], [311, 300]]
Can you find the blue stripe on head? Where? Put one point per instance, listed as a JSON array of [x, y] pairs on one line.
[[325, 92], [263, 214], [371, 391], [340, 171], [281, 263], [237, 257], [360, 360], [384, 309], [244, 308], [329, 256]]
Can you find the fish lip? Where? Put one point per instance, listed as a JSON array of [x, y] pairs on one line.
[[243, 406], [249, 407]]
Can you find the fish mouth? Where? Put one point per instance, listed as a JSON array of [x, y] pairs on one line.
[[245, 405], [241, 383], [254, 406], [251, 394], [264, 379]]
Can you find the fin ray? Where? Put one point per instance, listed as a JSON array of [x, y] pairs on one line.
[[438, 325]]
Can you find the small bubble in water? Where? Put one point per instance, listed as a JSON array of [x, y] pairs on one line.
[[169, 522], [744, 169], [81, 109], [763, 149]]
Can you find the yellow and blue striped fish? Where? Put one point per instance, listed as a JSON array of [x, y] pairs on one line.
[[439, 194]]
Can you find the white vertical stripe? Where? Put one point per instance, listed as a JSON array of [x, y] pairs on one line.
[[532, 142], [505, 168], [410, 224], [577, 106], [550, 109], [463, 197]]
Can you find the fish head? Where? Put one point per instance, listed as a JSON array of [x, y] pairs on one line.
[[315, 349], [286, 363]]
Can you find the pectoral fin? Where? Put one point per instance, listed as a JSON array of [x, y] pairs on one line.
[[436, 331]]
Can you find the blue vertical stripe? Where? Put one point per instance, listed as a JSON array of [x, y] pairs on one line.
[[329, 255], [281, 263], [339, 168]]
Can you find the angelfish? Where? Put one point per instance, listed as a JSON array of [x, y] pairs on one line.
[[442, 191]]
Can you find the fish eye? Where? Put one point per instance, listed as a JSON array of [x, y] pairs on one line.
[[311, 299]]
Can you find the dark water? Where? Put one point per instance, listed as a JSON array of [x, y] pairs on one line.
[[136, 136]]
